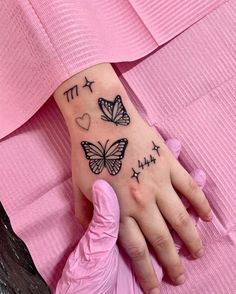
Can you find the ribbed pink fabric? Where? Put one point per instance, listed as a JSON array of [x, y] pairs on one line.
[[45, 42], [188, 90]]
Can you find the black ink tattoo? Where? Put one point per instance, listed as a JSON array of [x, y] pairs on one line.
[[135, 175], [100, 156], [83, 121], [142, 164], [146, 161], [70, 93], [156, 148], [114, 111], [88, 84]]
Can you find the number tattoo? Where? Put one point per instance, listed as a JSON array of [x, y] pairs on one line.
[[70, 93], [114, 111], [142, 164], [101, 157]]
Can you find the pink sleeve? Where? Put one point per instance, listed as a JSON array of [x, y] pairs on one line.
[[45, 42]]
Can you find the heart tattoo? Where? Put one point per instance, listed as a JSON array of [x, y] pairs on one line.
[[83, 121]]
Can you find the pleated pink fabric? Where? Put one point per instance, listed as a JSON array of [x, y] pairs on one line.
[[187, 89], [43, 43]]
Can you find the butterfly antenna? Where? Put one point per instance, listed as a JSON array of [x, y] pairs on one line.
[[105, 147]]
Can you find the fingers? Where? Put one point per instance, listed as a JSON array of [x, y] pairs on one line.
[[177, 216], [155, 230], [133, 242], [199, 177], [175, 146], [185, 184]]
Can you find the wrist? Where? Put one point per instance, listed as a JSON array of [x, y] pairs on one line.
[[79, 105]]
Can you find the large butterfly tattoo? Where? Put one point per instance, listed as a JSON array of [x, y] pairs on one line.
[[100, 156], [114, 111]]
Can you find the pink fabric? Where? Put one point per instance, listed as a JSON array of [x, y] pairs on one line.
[[188, 90], [45, 42]]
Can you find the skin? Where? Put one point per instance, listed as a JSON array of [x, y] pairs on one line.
[[146, 206]]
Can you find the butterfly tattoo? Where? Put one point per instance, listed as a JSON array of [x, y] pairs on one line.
[[101, 157], [114, 111]]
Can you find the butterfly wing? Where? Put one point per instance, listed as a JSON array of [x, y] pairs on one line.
[[107, 109], [95, 155], [114, 111], [119, 113], [113, 156]]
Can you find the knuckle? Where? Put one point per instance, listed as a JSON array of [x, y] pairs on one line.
[[137, 252], [182, 220], [175, 269], [161, 241], [192, 186], [138, 197]]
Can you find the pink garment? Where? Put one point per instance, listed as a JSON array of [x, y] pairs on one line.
[[43, 43], [188, 90]]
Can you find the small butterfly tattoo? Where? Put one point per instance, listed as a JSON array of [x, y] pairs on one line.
[[101, 157], [114, 111]]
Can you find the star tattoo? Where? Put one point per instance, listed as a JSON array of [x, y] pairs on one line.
[[88, 84], [135, 175], [156, 148]]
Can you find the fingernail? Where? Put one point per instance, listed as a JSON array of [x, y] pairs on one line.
[[200, 253], [181, 279], [155, 291]]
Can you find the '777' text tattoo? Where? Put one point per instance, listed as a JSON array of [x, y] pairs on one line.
[[114, 111], [145, 162], [73, 92], [100, 156]]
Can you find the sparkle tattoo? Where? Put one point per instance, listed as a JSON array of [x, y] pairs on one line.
[[114, 111], [145, 162], [135, 175], [88, 84], [83, 121], [71, 92], [156, 148], [100, 156]]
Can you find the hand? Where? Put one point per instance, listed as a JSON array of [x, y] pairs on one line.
[[146, 194], [134, 160], [96, 266]]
